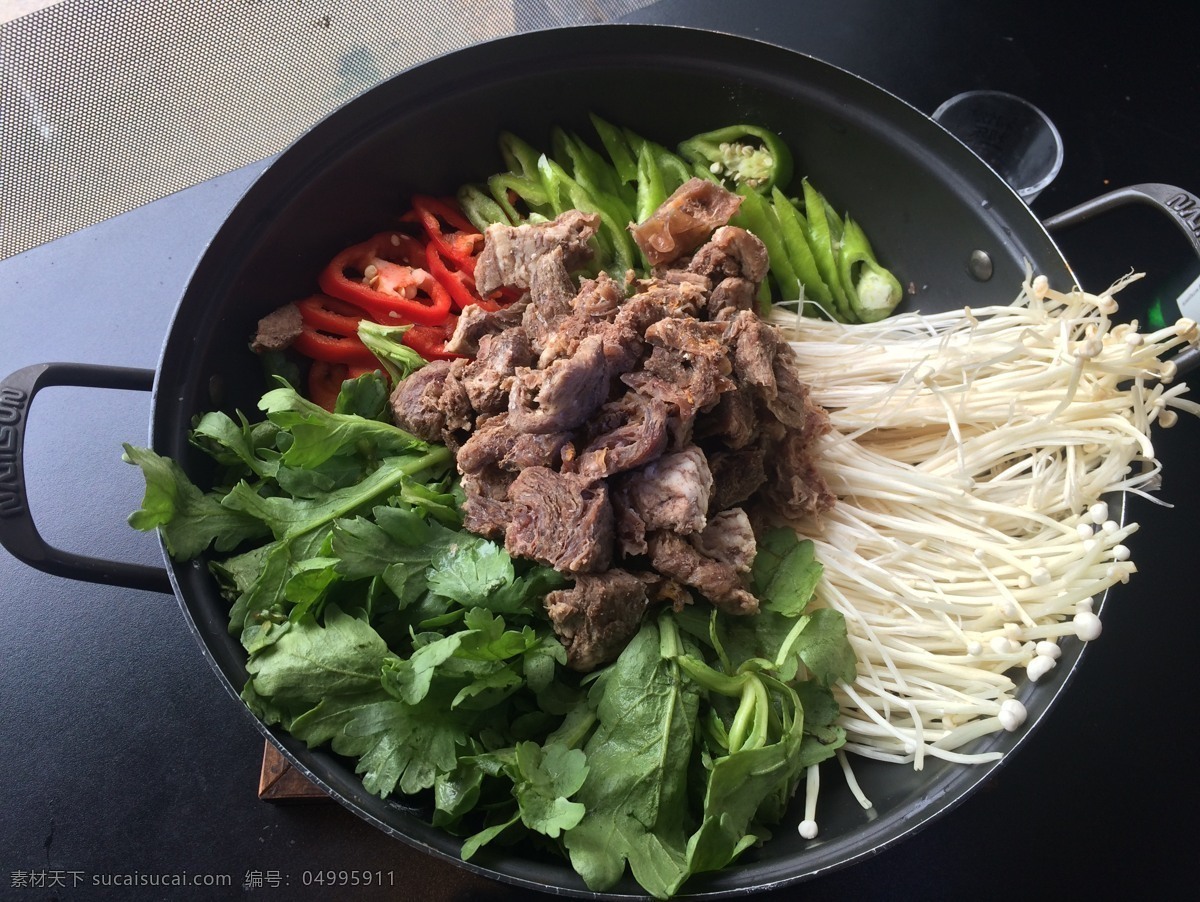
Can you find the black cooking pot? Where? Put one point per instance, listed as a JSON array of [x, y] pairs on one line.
[[946, 224]]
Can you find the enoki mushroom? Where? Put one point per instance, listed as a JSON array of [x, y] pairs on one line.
[[972, 454]]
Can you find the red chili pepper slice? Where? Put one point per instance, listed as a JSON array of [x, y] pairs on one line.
[[384, 276], [347, 349], [330, 332], [330, 315], [460, 285], [430, 341], [461, 242]]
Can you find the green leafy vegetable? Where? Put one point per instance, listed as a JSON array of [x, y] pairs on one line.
[[636, 792], [385, 343]]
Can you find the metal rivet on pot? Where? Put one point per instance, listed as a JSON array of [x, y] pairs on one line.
[[980, 266]]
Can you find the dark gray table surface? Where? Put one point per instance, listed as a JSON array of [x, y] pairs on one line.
[[121, 754]]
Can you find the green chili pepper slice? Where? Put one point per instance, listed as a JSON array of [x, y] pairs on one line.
[[872, 290], [587, 166], [616, 145], [480, 207], [793, 227], [820, 239], [750, 157]]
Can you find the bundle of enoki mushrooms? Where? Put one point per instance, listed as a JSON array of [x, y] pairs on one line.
[[975, 455]]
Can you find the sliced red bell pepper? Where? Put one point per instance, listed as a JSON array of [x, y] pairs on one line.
[[385, 276]]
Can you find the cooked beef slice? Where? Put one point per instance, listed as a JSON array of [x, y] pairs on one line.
[[485, 506], [596, 618], [677, 276], [551, 449], [689, 365], [731, 295], [793, 405], [627, 433], [432, 403], [690, 383], [656, 299], [731, 251], [629, 528], [795, 487], [694, 337], [663, 589], [509, 251], [474, 323], [487, 379], [755, 346], [684, 220], [562, 520], [673, 555], [550, 295], [623, 347], [494, 443], [672, 492], [491, 440], [599, 297], [565, 394], [729, 539], [278, 329], [737, 476], [734, 421]]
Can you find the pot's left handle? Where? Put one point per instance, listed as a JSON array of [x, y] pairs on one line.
[[18, 533]]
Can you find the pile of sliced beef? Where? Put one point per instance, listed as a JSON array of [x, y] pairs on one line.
[[632, 433]]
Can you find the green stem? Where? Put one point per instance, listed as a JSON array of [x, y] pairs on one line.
[[436, 456], [744, 718]]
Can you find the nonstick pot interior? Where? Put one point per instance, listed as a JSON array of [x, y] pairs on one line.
[[926, 202]]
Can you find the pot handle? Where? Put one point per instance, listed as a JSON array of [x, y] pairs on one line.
[[1181, 206], [18, 534]]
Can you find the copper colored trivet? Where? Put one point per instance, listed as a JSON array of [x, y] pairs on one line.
[[280, 782]]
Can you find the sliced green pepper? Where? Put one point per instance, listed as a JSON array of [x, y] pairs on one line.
[[521, 182], [872, 290], [613, 239], [751, 158], [820, 240], [794, 229], [480, 207], [587, 166], [623, 157], [504, 186], [651, 188], [659, 173], [519, 155]]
